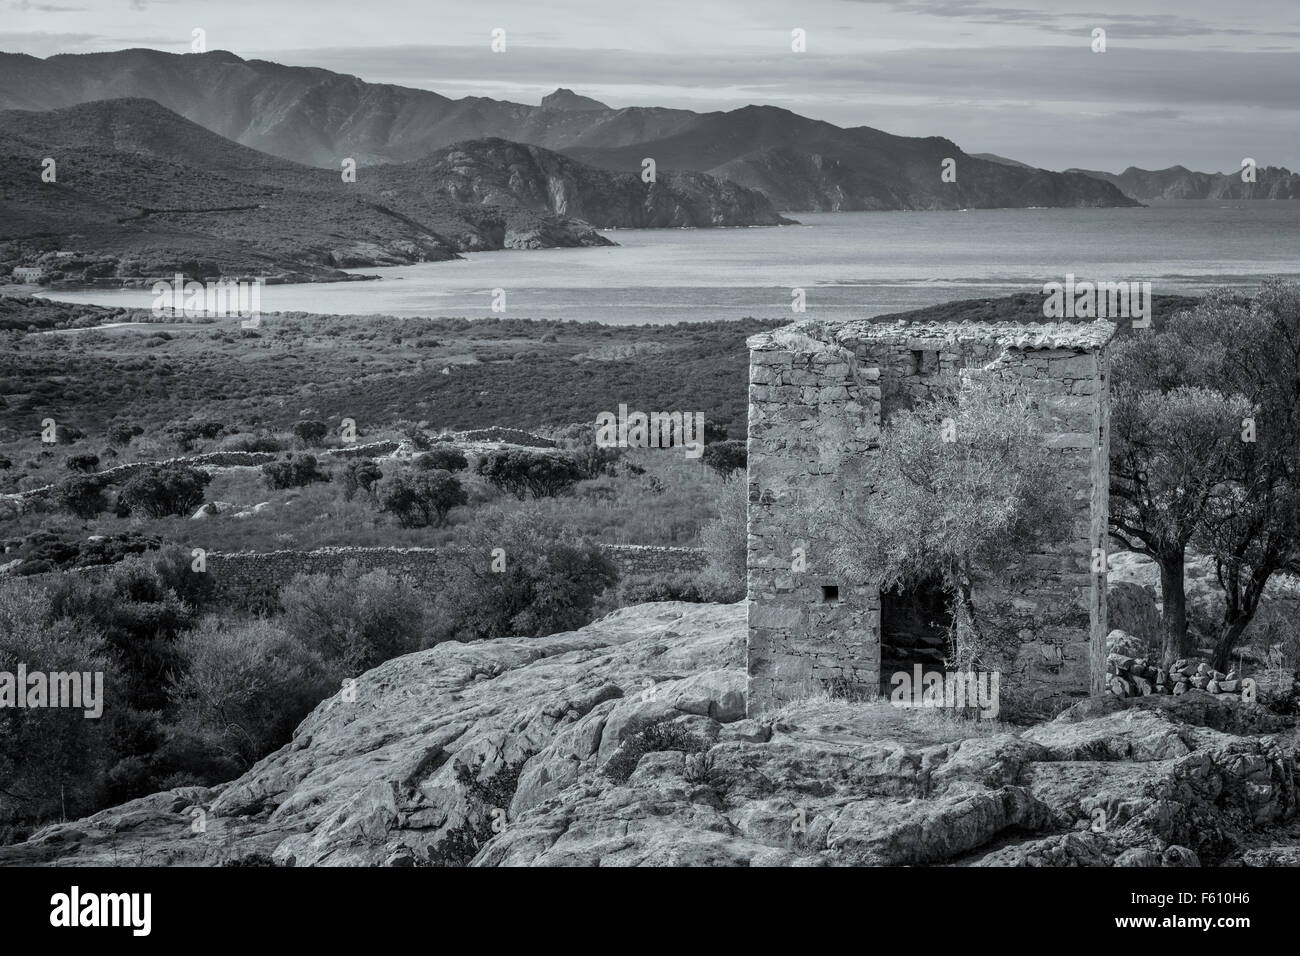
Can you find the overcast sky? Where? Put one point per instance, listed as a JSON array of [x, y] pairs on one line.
[[1196, 82]]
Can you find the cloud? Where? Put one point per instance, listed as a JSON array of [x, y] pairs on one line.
[[26, 5], [1126, 78], [1133, 26]]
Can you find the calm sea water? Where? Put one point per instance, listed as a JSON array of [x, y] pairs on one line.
[[850, 264]]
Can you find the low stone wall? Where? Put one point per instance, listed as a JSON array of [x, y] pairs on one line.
[[255, 578], [374, 449], [119, 473]]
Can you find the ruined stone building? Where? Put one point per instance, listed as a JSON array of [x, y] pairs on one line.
[[819, 395]]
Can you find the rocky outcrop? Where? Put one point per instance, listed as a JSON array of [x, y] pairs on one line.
[[624, 743], [502, 173]]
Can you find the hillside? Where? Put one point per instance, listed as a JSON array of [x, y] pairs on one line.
[[806, 164], [315, 117], [502, 173], [552, 731], [145, 193], [1178, 182]]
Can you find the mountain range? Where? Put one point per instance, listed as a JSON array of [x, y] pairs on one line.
[[144, 192], [1178, 182], [317, 118]]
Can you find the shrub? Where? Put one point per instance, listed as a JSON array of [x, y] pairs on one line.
[[421, 500], [246, 685], [53, 759], [360, 475], [46, 550], [82, 463], [296, 471], [656, 738], [679, 588], [353, 620], [165, 490], [416, 436], [725, 539], [522, 472], [139, 612], [82, 495], [121, 433], [550, 581], [310, 432], [441, 459], [724, 457], [67, 434], [259, 442], [459, 845], [185, 434]]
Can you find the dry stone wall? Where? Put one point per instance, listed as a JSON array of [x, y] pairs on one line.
[[255, 578]]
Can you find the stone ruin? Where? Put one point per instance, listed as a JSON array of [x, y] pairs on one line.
[[819, 395]]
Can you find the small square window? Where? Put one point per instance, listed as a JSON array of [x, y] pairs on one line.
[[925, 361], [830, 593]]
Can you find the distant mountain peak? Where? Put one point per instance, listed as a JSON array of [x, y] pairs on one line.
[[563, 99]]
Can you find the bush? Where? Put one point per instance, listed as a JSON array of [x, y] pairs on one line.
[[550, 581], [68, 434], [441, 459], [53, 759], [296, 471], [360, 475], [521, 472], [725, 539], [82, 463], [82, 495], [354, 621], [310, 432], [121, 433], [421, 500], [55, 549], [724, 457], [656, 738], [165, 490], [461, 844], [246, 686], [680, 588], [185, 434], [139, 612], [416, 436], [259, 442]]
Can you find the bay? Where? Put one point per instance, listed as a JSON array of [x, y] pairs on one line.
[[849, 264]]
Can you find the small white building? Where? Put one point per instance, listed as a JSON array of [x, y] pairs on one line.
[[28, 273]]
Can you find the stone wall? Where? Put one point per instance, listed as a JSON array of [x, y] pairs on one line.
[[120, 473], [818, 398], [254, 578], [814, 420]]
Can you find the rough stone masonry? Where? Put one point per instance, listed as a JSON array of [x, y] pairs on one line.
[[819, 395]]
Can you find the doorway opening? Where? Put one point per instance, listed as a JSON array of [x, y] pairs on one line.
[[914, 626]]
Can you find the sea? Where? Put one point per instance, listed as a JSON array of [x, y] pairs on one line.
[[849, 265]]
